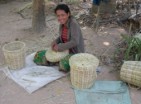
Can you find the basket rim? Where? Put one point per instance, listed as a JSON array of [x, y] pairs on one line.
[[3, 48], [95, 59], [58, 57], [86, 54]]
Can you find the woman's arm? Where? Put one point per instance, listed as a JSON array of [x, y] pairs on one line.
[[55, 42], [74, 41]]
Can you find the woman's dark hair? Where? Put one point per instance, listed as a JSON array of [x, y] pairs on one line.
[[63, 7]]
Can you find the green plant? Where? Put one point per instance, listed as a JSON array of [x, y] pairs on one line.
[[133, 50]]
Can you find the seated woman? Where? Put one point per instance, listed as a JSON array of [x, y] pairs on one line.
[[70, 33], [70, 38]]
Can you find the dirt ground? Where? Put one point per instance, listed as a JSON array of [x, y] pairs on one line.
[[14, 27]]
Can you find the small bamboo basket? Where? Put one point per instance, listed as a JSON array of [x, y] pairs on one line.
[[131, 72], [83, 70], [53, 56], [14, 53]]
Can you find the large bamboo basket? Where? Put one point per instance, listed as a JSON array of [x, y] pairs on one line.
[[83, 70], [53, 56], [131, 72], [14, 53]]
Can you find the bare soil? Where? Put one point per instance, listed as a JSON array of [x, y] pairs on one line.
[[101, 44]]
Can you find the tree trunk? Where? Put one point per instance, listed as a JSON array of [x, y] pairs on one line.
[[38, 19]]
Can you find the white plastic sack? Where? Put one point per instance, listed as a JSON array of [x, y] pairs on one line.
[[33, 77]]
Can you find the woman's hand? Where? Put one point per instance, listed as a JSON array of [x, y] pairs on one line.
[[53, 44], [55, 47]]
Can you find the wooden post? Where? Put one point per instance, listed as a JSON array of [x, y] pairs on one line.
[[38, 19], [97, 19]]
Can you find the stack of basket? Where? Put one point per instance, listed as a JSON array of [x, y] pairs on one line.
[[83, 70], [14, 53], [53, 56], [131, 72]]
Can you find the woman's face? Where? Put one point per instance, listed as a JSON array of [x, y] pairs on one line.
[[62, 16]]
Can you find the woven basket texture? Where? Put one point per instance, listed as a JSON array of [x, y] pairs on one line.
[[131, 72], [83, 70], [14, 53], [53, 56]]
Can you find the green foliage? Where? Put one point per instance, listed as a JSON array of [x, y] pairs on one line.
[[133, 50], [128, 50]]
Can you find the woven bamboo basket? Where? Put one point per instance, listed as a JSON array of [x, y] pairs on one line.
[[83, 70], [53, 56], [131, 72], [14, 53]]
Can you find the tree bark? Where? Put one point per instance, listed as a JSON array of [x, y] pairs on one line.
[[38, 19]]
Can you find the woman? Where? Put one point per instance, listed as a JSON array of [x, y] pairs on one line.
[[70, 33], [70, 38]]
